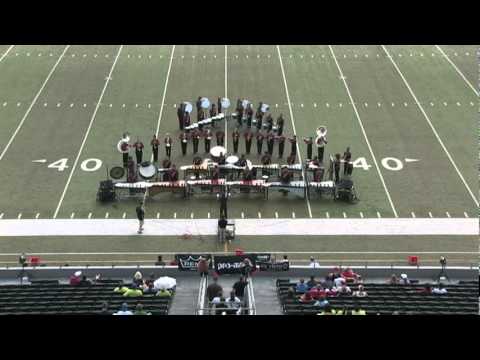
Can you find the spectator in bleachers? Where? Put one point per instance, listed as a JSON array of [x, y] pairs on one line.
[[332, 292], [427, 290], [218, 298], [164, 293], [76, 278], [124, 310], [339, 281], [312, 282], [393, 280], [328, 283], [321, 302], [84, 281], [360, 292], [301, 287], [314, 264], [285, 263], [104, 310], [357, 310], [213, 289], [349, 275], [440, 290], [220, 306], [317, 291], [404, 279], [344, 290], [327, 310], [234, 303], [149, 289], [133, 292], [150, 280], [291, 293], [337, 272], [137, 279], [120, 289], [239, 287], [140, 311], [306, 298]]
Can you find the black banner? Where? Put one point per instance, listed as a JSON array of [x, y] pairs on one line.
[[189, 262], [232, 264]]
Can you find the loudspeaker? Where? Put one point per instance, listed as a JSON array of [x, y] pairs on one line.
[[106, 191]]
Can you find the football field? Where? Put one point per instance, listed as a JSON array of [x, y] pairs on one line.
[[408, 114]]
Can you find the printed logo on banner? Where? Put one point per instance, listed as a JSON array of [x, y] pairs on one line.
[[189, 262]]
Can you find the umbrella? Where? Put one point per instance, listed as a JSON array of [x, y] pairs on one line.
[[205, 103], [165, 282], [188, 107], [265, 108], [245, 103], [225, 103]]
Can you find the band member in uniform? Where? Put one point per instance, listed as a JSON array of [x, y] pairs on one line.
[[236, 138], [260, 138], [219, 105], [249, 113], [309, 142], [248, 141], [220, 137], [155, 143], [266, 159], [286, 176], [195, 139], [269, 121], [125, 146], [347, 157], [186, 119], [208, 139], [336, 165], [293, 141], [280, 123], [168, 145], [213, 112], [315, 161], [239, 111], [173, 173], [180, 113], [223, 204], [270, 142], [321, 142], [318, 175], [199, 104], [184, 142], [138, 150], [259, 116], [281, 145], [140, 216], [291, 159], [215, 173]]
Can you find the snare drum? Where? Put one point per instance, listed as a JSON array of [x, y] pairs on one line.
[[147, 170]]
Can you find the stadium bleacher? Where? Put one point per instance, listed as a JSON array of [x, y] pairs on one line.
[[385, 299], [63, 299]]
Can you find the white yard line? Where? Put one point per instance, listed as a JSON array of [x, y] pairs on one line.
[[431, 126], [162, 104], [363, 132], [33, 103], [457, 70], [293, 125], [6, 52], [87, 132], [245, 227]]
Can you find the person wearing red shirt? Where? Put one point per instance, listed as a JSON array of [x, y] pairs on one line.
[[348, 274], [306, 298]]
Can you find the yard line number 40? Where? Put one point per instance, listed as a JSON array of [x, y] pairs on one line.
[[88, 165], [389, 163]]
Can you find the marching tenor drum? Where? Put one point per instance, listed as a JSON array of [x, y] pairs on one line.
[[231, 159], [147, 170]]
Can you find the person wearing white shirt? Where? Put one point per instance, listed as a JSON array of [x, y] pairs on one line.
[[234, 303], [314, 264], [440, 290], [339, 282]]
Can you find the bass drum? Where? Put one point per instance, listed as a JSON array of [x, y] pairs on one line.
[[117, 172], [147, 170]]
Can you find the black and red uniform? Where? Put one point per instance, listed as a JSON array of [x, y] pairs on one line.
[[280, 123], [248, 141], [236, 138], [208, 140], [293, 141], [195, 139], [186, 119], [184, 142], [168, 146], [259, 118], [125, 146], [270, 142], [309, 142], [138, 151], [219, 105], [220, 135], [249, 114], [155, 144], [180, 115], [260, 138], [281, 145]]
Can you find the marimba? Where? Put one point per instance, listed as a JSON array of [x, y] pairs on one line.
[[322, 187], [296, 187], [204, 186], [245, 186]]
